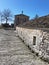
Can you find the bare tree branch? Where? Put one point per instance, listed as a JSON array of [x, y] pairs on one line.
[[7, 15]]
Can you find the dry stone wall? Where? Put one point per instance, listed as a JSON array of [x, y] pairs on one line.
[[36, 39]]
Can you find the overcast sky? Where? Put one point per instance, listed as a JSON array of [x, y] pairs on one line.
[[30, 7]]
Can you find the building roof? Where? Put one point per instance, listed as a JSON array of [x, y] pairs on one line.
[[22, 15]]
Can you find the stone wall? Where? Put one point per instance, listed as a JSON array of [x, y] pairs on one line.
[[36, 39]]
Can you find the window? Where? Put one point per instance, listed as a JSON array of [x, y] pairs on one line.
[[25, 20], [18, 18], [34, 40]]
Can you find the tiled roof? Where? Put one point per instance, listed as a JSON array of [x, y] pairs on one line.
[[22, 15]]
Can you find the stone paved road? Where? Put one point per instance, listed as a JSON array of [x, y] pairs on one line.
[[14, 52]]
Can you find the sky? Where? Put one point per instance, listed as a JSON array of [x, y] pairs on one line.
[[29, 7]]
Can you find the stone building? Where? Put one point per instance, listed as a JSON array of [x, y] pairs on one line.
[[20, 19], [35, 34]]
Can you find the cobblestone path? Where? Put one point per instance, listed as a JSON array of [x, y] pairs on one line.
[[14, 52]]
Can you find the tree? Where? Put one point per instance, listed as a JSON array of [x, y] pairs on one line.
[[1, 16], [7, 15], [36, 16]]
